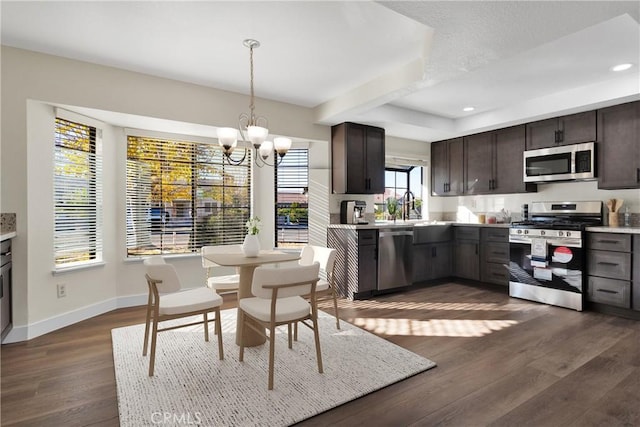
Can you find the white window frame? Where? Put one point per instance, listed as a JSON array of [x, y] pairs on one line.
[[77, 226]]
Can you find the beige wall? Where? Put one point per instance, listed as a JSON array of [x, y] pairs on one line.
[[32, 84]]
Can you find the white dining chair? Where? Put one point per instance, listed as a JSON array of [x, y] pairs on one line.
[[278, 301], [167, 300], [220, 283], [325, 289]]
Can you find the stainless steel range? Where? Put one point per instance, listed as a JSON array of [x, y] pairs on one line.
[[547, 252]]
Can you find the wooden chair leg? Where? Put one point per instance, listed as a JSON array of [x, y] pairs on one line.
[[289, 334], [218, 324], [240, 337], [146, 331], [335, 307], [272, 343], [316, 334], [154, 335], [295, 331], [206, 326]]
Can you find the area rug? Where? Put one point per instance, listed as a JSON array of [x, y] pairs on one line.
[[191, 386]]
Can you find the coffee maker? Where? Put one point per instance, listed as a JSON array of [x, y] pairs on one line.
[[352, 212]]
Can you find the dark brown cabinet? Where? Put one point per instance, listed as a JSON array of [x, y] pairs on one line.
[[619, 146], [357, 159], [431, 252], [467, 252], [494, 244], [493, 162], [447, 167], [609, 268], [564, 130], [356, 268]]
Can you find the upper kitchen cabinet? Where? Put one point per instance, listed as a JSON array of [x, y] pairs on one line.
[[619, 146], [564, 130], [447, 167], [494, 162], [357, 159]]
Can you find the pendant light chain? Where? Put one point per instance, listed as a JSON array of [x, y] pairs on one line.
[[251, 102]]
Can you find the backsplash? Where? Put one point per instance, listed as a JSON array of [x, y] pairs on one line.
[[7, 223]]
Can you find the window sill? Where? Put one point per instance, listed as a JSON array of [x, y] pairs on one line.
[[165, 256], [64, 270]]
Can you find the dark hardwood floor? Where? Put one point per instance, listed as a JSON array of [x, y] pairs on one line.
[[501, 361]]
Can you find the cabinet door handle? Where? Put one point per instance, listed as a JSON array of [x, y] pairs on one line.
[[613, 264], [638, 175], [613, 242], [555, 136], [560, 135], [607, 291], [433, 252], [476, 249]]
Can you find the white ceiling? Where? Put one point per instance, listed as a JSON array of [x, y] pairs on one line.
[[409, 67]]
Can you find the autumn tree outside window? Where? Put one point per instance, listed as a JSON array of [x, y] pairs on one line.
[[77, 194], [181, 195]]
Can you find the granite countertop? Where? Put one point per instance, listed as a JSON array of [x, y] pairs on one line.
[[406, 224], [624, 230], [7, 235]]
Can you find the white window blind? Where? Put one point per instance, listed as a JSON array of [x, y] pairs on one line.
[[77, 194], [181, 196], [292, 200]]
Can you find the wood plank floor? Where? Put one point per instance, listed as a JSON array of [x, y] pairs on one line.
[[501, 361]]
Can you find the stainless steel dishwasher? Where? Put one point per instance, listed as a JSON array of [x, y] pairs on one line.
[[394, 258]]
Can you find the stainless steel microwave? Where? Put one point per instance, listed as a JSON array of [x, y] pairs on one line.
[[562, 163]]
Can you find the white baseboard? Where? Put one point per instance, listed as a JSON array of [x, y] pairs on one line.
[[27, 332]]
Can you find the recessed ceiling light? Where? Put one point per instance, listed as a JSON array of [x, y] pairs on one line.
[[468, 109], [621, 67]]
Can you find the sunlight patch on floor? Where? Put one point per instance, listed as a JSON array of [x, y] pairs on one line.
[[455, 306], [432, 327]]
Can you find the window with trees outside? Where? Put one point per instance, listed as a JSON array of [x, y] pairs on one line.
[[292, 200], [182, 195], [77, 194], [403, 188]]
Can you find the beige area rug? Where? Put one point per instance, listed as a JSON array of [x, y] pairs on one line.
[[191, 386]]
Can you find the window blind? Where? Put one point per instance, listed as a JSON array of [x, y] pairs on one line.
[[181, 195], [292, 202], [77, 194]]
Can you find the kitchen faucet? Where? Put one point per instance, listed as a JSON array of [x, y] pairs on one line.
[[408, 204]]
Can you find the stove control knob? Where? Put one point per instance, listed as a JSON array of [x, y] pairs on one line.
[[542, 232], [568, 234], [519, 231], [560, 233], [526, 231]]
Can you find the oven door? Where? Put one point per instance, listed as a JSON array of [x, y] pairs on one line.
[[547, 270]]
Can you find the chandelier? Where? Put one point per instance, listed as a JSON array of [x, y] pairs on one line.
[[252, 129]]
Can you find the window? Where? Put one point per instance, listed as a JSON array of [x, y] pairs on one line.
[[77, 195], [292, 200], [402, 185], [182, 195]]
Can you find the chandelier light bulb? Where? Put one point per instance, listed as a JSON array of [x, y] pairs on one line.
[[227, 138], [266, 149], [282, 145], [257, 135]]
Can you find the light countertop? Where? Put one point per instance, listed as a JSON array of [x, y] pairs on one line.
[[8, 235], [406, 224], [624, 230]]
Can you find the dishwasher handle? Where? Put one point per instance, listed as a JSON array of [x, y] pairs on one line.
[[396, 233]]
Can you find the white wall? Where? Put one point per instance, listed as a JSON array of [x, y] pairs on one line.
[[31, 84]]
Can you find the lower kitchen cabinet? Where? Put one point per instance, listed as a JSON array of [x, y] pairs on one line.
[[494, 250], [467, 252], [432, 253], [609, 266], [356, 271]]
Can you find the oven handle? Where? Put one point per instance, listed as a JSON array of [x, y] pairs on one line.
[[556, 241]]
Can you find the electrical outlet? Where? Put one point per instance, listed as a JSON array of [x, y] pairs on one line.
[[62, 290]]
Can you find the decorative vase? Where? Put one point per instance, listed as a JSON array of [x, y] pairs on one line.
[[251, 245]]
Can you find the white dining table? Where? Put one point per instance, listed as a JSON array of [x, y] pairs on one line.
[[247, 265]]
